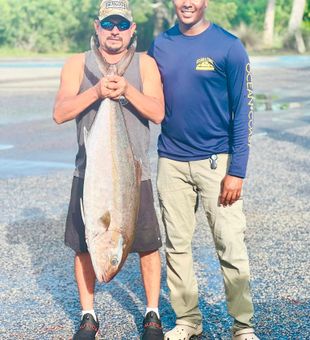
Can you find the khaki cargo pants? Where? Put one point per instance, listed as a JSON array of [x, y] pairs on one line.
[[178, 186]]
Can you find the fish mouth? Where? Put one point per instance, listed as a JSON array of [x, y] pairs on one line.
[[107, 254], [103, 277], [106, 272], [107, 277]]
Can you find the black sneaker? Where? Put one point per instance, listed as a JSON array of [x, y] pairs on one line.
[[88, 330], [152, 327]]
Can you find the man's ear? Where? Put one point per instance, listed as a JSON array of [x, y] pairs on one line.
[[96, 25], [133, 28]]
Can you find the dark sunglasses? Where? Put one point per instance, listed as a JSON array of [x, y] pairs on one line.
[[109, 25]]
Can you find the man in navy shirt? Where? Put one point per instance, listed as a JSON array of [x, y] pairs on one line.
[[203, 149]]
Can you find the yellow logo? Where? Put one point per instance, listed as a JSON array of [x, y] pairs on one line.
[[205, 64]]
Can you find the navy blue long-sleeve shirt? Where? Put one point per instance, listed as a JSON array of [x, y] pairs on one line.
[[208, 96]]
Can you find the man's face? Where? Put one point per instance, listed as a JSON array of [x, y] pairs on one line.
[[190, 12], [114, 39]]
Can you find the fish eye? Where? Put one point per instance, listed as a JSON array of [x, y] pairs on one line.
[[114, 261]]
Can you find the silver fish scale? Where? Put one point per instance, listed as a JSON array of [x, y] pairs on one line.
[[111, 184]]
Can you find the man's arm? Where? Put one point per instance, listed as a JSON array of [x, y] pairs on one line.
[[149, 102], [69, 103], [240, 91]]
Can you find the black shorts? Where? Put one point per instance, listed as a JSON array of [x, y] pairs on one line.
[[147, 237]]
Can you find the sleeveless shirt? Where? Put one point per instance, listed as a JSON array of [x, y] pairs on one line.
[[137, 126]]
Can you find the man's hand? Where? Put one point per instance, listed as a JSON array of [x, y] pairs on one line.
[[231, 187], [102, 88], [117, 86]]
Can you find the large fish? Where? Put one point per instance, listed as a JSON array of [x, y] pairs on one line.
[[112, 182]]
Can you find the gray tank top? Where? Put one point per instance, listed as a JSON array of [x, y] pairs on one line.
[[138, 127]]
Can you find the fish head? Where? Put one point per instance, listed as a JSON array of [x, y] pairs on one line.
[[107, 255]]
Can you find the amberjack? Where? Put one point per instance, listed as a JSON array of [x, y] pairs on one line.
[[112, 179]]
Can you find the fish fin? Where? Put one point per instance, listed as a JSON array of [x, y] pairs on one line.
[[106, 219], [82, 210], [85, 136]]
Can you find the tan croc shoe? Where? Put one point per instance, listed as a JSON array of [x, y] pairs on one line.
[[184, 330], [245, 334]]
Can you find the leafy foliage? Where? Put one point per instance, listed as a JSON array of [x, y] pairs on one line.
[[39, 25], [66, 25], [222, 12], [5, 20]]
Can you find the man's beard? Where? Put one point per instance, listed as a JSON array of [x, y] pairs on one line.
[[113, 49]]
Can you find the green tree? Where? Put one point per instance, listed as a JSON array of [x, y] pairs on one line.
[[5, 21], [41, 26], [294, 28], [141, 9], [269, 23], [66, 25], [250, 12], [222, 12], [84, 11]]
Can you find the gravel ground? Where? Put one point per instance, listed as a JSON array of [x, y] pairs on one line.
[[38, 295]]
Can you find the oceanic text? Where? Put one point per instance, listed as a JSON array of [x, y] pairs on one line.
[[249, 86]]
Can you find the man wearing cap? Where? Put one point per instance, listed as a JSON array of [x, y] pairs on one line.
[[203, 151], [81, 91]]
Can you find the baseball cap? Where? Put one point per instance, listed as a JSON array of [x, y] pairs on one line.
[[110, 7]]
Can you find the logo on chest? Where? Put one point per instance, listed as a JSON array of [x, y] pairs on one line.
[[205, 64]]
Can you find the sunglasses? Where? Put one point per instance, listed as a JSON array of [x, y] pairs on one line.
[[123, 25]]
